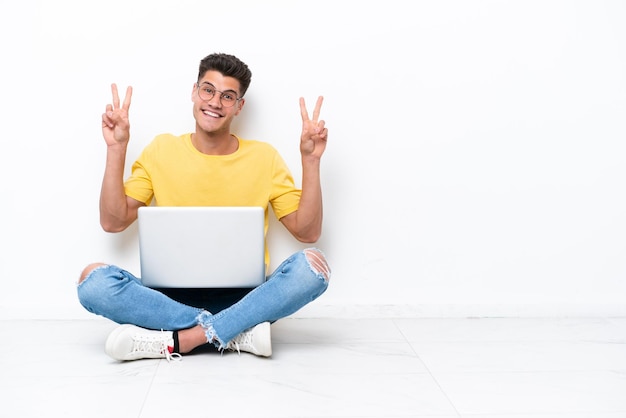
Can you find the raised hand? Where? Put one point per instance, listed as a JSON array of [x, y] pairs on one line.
[[314, 134], [115, 124]]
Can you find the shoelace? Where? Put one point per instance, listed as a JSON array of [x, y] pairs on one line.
[[244, 339], [153, 345], [172, 356]]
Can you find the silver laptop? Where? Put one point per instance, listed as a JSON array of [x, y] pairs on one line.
[[200, 247]]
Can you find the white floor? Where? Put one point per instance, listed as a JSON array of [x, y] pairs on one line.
[[488, 368]]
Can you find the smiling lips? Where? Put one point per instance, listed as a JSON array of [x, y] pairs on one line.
[[212, 114]]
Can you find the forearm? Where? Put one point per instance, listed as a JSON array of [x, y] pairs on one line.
[[113, 203], [310, 210]]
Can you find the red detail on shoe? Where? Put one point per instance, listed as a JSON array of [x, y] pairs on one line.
[[170, 349]]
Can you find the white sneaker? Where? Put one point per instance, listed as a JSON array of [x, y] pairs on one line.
[[256, 340], [130, 342]]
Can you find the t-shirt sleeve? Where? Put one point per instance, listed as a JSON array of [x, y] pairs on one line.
[[139, 184], [285, 196]]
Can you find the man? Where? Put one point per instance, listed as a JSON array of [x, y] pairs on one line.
[[209, 167]]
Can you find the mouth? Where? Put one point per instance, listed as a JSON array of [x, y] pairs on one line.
[[211, 114]]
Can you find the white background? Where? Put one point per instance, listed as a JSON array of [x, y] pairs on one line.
[[475, 164]]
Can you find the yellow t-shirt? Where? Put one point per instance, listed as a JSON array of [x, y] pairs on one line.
[[173, 172]]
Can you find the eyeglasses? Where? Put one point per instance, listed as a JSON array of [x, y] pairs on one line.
[[207, 91]]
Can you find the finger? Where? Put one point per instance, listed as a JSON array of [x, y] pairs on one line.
[[324, 134], [129, 93], [318, 107], [116, 97], [320, 133], [303, 112], [106, 119]]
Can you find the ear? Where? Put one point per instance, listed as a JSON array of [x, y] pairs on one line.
[[193, 91], [240, 104]]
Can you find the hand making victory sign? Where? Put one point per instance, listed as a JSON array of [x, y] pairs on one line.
[[314, 134], [115, 124]]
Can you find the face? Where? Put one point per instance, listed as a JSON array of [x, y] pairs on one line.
[[215, 114]]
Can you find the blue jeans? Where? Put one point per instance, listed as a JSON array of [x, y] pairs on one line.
[[116, 294]]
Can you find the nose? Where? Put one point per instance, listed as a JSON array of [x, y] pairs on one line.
[[215, 101]]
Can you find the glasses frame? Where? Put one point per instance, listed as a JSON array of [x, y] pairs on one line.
[[221, 96]]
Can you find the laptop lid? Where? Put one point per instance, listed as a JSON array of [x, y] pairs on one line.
[[183, 246]]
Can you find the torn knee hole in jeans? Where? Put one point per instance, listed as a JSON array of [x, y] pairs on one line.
[[318, 262]]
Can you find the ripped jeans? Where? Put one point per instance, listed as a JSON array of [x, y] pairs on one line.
[[116, 294]]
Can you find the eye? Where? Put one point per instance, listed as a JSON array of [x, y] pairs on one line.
[[209, 90], [229, 97]]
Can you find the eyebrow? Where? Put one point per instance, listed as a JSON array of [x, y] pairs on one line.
[[225, 91]]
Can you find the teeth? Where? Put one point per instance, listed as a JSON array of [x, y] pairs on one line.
[[215, 115]]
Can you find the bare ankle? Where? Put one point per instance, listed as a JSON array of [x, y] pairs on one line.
[[190, 338]]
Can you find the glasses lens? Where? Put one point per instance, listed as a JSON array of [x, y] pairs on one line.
[[206, 92], [228, 99]]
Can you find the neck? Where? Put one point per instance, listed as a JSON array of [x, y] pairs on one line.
[[215, 144]]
